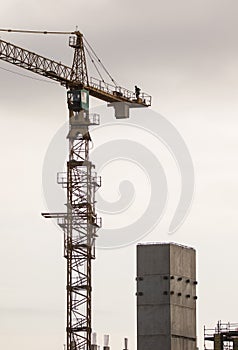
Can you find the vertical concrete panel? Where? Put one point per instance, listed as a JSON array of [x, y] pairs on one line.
[[154, 342], [154, 320], [151, 260], [180, 343], [183, 261], [183, 321]]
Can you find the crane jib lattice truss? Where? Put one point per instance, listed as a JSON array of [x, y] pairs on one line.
[[63, 74]]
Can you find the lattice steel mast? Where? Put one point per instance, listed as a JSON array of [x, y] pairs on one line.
[[80, 223], [79, 73], [79, 226]]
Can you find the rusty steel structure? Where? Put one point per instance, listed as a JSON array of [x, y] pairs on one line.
[[223, 337], [79, 226], [80, 222]]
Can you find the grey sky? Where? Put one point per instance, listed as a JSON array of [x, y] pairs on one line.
[[185, 54]]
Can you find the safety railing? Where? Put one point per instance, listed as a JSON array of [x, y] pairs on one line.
[[119, 91]]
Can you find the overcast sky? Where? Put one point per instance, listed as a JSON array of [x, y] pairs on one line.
[[184, 53]]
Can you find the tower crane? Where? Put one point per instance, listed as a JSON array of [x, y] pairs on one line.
[[80, 222]]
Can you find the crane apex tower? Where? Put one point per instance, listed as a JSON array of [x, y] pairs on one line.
[[166, 297]]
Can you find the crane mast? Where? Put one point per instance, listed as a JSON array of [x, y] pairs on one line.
[[80, 222], [79, 226]]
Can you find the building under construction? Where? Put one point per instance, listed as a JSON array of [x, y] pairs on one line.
[[223, 337]]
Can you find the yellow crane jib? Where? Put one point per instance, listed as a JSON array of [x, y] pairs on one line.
[[75, 78]]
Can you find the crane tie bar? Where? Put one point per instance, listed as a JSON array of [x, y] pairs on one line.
[[34, 31]]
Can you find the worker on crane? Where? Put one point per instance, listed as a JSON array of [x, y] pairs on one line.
[[137, 92]]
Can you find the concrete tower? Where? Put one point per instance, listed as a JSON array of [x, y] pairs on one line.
[[166, 297]]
